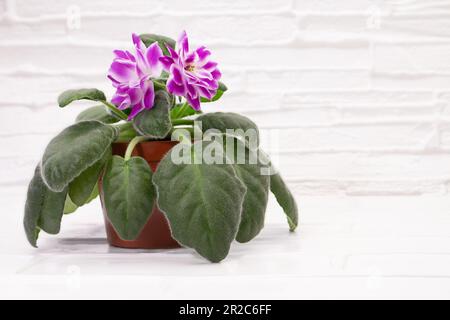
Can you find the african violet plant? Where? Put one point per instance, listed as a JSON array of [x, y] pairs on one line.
[[159, 90]]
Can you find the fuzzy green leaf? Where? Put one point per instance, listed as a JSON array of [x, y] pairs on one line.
[[285, 199], [69, 96], [126, 132], [149, 38], [155, 122], [43, 209], [74, 150], [220, 91], [249, 170], [128, 194], [80, 189], [99, 113], [203, 203], [69, 206], [222, 121]]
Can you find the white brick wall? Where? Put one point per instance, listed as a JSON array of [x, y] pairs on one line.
[[356, 91]]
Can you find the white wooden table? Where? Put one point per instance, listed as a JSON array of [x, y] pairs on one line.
[[347, 247]]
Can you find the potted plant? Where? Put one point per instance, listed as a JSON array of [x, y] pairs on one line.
[[167, 174]]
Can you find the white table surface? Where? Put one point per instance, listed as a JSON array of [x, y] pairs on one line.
[[346, 247]]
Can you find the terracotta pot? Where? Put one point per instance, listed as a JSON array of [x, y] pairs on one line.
[[156, 233]]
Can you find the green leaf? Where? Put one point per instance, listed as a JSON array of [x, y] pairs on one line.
[[149, 38], [69, 206], [43, 209], [203, 203], [99, 113], [74, 150], [94, 194], [128, 194], [220, 91], [126, 133], [285, 199], [249, 170], [183, 110], [69, 96], [155, 122], [80, 189], [222, 121]]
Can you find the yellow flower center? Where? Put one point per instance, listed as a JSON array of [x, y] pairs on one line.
[[190, 68]]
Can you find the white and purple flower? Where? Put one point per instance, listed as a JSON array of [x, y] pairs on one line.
[[132, 76], [191, 73]]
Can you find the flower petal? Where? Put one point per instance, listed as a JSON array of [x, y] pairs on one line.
[[208, 94], [137, 42], [183, 43], [194, 102], [203, 55], [149, 97], [122, 70], [210, 66], [135, 109], [125, 104], [172, 52], [178, 89], [153, 54], [166, 62], [135, 94], [177, 74]]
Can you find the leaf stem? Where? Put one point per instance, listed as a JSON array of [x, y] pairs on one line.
[[135, 141], [116, 111], [182, 122], [180, 110]]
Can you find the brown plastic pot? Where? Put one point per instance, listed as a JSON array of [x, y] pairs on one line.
[[156, 232]]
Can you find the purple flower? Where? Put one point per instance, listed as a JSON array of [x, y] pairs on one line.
[[191, 73], [132, 76]]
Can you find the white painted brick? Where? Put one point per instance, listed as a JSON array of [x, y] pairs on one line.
[[18, 171], [286, 81], [354, 97], [413, 26], [355, 121], [411, 81], [329, 25], [38, 120], [331, 6], [316, 116], [27, 32], [412, 57], [29, 146], [241, 102], [36, 8], [307, 57], [353, 137], [2, 8], [204, 29], [396, 188], [369, 166], [44, 89], [415, 7], [445, 136], [342, 187], [380, 114], [249, 6], [43, 57], [400, 28]]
